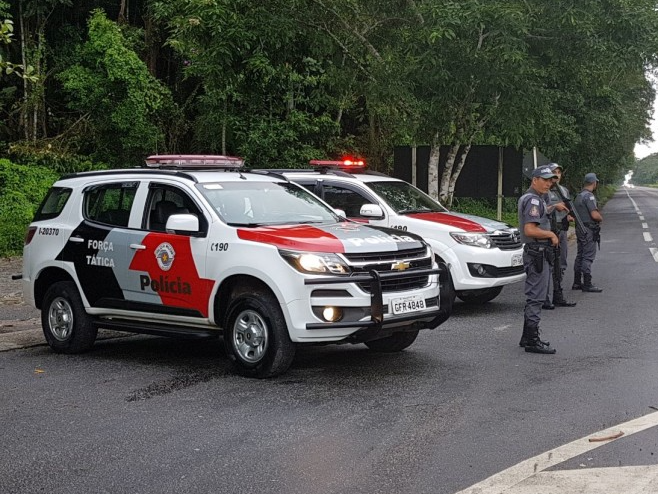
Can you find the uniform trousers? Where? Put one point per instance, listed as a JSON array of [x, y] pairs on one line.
[[536, 287], [586, 251]]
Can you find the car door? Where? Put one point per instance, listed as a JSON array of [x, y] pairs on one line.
[[165, 274], [96, 246]]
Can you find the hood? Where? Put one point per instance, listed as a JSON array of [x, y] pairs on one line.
[[466, 222], [346, 237]]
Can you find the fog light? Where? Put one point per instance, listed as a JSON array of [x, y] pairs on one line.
[[480, 269], [332, 314]]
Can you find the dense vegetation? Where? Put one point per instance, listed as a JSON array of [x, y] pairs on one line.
[[282, 81], [645, 171]]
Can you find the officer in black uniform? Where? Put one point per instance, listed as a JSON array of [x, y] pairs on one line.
[[588, 210], [558, 213], [537, 252]]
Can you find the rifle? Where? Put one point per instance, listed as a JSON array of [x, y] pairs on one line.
[[572, 210], [557, 268]]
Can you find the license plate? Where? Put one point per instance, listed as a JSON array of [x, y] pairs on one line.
[[517, 260], [404, 305]]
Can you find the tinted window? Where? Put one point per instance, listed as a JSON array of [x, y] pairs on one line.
[[110, 203], [53, 204], [164, 201], [345, 199]]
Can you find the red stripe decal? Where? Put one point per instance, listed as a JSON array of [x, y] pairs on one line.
[[450, 220], [178, 286], [304, 237]]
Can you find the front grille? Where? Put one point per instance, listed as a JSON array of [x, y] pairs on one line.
[[506, 239], [383, 262]]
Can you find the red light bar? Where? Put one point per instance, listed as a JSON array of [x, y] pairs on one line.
[[193, 161], [345, 165]]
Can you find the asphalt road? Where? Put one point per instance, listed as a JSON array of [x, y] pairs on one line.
[[152, 415]]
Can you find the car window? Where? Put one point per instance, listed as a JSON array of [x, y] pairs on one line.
[[53, 204], [405, 198], [163, 201], [346, 199], [265, 203], [109, 203]]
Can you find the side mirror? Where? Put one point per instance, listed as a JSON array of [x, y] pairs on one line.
[[340, 212], [371, 211], [188, 223]]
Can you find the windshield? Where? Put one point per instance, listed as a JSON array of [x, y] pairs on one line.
[[405, 198], [265, 203]]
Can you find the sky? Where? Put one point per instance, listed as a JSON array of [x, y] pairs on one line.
[[644, 150]]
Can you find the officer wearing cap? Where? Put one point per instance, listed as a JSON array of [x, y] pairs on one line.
[[559, 223], [588, 210], [539, 241]]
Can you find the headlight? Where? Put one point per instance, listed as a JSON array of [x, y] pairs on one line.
[[473, 239], [315, 263]]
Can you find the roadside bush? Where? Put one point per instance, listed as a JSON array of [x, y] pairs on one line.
[[487, 208], [22, 188]]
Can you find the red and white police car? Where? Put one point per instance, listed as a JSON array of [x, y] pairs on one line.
[[195, 246], [483, 255]]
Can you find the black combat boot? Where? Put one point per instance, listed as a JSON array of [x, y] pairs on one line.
[[587, 285], [547, 305], [577, 281], [560, 301], [528, 334], [534, 344]]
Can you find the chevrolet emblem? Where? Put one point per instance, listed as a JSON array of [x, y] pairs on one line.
[[400, 266]]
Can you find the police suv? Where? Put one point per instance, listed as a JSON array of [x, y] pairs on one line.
[[195, 246], [483, 254]]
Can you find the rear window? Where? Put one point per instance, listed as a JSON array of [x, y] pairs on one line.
[[53, 204]]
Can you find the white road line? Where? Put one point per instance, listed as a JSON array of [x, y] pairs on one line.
[[654, 253], [629, 480], [505, 480], [641, 218], [647, 237], [645, 225]]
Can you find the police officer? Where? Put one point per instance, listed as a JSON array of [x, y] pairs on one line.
[[559, 223], [539, 241], [588, 210]]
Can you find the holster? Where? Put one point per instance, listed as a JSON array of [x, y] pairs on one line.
[[537, 253]]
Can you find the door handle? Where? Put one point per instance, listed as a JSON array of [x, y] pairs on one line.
[[77, 240], [138, 246]]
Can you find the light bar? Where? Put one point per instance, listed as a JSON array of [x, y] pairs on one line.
[[193, 161], [346, 164]]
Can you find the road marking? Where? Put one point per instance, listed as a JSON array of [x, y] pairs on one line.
[[507, 479], [647, 237], [629, 480], [654, 253], [641, 218], [645, 225]]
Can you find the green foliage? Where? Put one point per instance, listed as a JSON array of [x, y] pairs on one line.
[[25, 153], [645, 171], [22, 188], [487, 208], [113, 90]]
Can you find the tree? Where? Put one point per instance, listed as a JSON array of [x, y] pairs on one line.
[[119, 101]]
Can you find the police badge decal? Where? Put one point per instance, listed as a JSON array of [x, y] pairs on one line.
[[165, 254]]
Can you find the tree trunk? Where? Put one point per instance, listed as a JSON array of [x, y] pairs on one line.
[[433, 168], [23, 117], [447, 174], [459, 164]]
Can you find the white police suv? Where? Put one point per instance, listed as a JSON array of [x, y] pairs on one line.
[[194, 246], [483, 254]]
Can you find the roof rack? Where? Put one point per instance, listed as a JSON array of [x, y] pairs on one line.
[[194, 161]]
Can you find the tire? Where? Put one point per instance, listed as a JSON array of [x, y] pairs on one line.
[[447, 292], [394, 343], [256, 336], [479, 297], [66, 325]]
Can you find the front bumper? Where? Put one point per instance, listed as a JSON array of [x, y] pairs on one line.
[[426, 319]]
